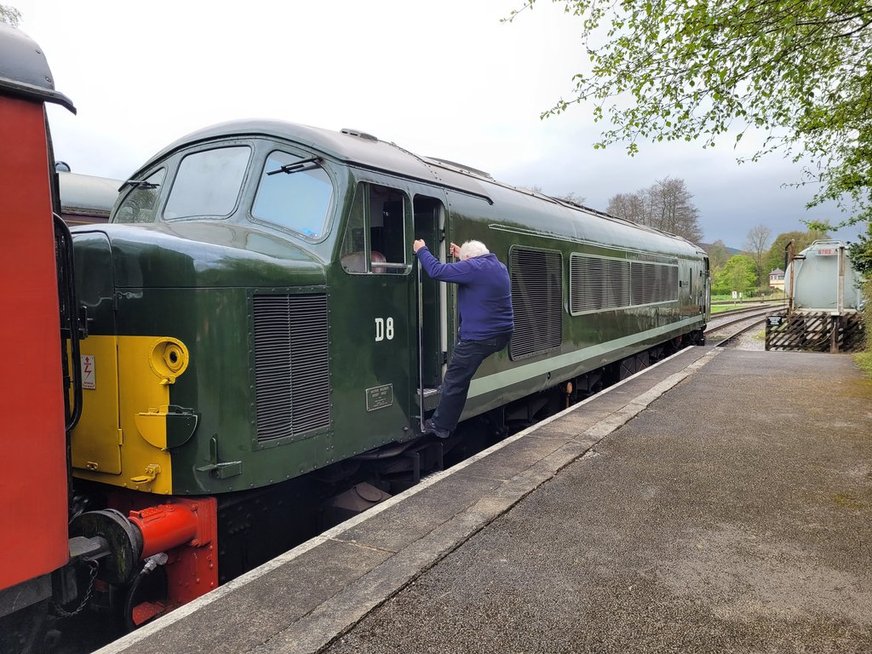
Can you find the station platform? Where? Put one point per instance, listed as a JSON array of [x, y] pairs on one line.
[[719, 501]]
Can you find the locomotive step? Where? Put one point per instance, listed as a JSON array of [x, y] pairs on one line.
[[431, 398]]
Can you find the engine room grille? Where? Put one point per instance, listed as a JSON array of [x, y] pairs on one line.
[[599, 283], [653, 283], [537, 300], [596, 283], [291, 365]]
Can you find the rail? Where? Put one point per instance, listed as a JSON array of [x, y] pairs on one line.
[[725, 327]]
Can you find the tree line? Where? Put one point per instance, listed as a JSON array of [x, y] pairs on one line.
[[795, 75], [748, 271], [667, 205]]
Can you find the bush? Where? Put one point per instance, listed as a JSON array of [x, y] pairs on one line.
[[864, 359], [867, 314]]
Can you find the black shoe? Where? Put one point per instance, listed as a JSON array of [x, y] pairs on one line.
[[431, 429]]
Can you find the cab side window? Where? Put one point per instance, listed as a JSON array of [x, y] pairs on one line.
[[375, 236], [140, 203]]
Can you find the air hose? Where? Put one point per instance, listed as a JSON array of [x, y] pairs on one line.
[[151, 564]]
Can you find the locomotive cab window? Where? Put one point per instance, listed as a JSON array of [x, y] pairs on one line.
[[207, 184], [294, 193], [375, 236], [141, 200]]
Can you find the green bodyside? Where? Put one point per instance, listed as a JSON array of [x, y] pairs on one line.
[[588, 340], [195, 280]]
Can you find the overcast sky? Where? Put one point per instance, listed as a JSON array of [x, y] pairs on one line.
[[444, 79]]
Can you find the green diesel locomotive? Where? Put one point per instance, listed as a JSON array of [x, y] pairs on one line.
[[255, 312]]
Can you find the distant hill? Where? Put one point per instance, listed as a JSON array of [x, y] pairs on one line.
[[730, 251]]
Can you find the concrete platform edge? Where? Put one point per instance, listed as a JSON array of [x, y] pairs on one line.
[[340, 613]]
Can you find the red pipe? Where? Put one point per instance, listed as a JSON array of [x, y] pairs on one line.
[[164, 527]]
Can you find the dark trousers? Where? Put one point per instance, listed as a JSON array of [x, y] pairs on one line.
[[465, 360]]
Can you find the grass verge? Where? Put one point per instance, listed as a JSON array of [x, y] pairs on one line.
[[864, 361]]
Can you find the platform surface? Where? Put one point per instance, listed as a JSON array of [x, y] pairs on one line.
[[718, 502]]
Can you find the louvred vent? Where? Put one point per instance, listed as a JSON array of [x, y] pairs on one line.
[[536, 300], [292, 371]]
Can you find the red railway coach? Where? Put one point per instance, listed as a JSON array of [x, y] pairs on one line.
[[35, 476], [34, 538], [33, 486]]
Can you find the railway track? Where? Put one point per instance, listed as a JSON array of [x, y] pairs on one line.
[[724, 327], [749, 308]]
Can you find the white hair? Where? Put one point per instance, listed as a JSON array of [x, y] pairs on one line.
[[472, 249]]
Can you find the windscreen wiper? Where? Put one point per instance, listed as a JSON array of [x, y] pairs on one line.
[[139, 183], [297, 166]]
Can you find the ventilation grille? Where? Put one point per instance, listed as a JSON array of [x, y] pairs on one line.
[[537, 300], [291, 359], [654, 283], [598, 284]]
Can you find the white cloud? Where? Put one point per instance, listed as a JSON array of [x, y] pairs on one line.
[[444, 79]]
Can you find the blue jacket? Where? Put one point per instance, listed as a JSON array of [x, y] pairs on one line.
[[484, 294]]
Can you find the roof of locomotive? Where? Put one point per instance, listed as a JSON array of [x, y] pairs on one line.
[[364, 150], [24, 70], [348, 146]]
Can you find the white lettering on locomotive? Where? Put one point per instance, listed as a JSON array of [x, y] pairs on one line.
[[384, 329]]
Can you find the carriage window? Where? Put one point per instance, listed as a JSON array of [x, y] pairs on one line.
[[141, 199], [208, 184], [375, 236], [294, 193]]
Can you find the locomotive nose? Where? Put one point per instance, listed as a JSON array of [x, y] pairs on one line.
[[130, 421]]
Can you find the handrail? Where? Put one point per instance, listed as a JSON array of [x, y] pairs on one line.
[[420, 294], [70, 321]]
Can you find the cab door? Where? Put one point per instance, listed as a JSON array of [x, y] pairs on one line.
[[372, 312], [391, 336]]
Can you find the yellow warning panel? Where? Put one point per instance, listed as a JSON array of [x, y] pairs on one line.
[[145, 369], [96, 440]]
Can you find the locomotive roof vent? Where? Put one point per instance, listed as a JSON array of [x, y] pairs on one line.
[[463, 168], [358, 134]]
